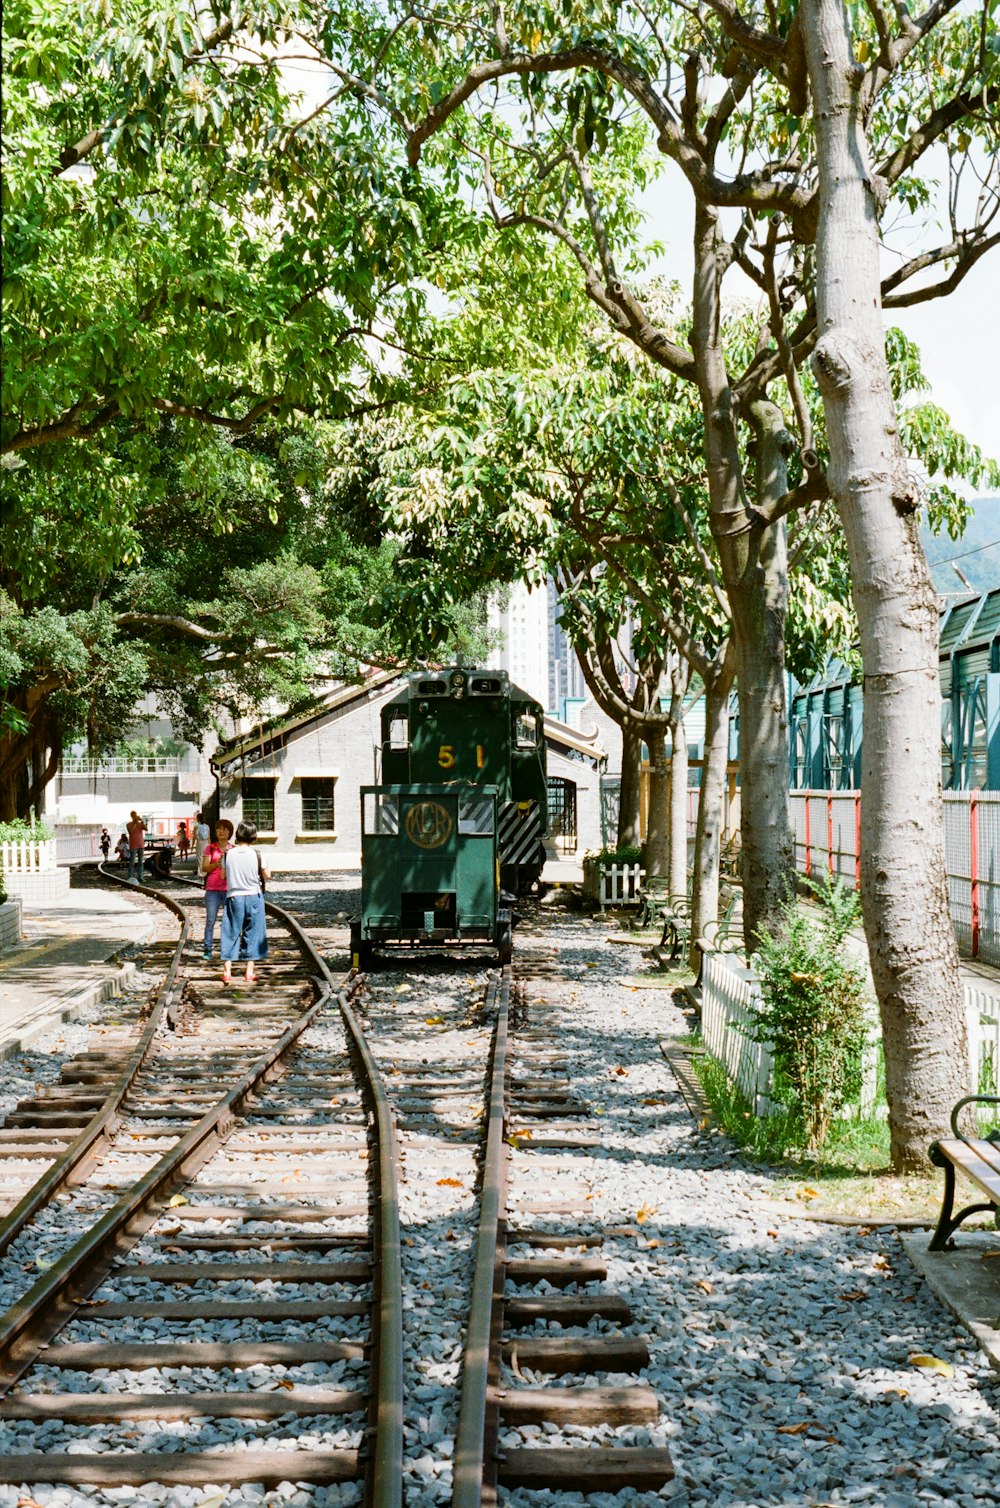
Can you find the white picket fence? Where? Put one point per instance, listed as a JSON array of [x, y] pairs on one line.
[[28, 857], [621, 884], [729, 990]]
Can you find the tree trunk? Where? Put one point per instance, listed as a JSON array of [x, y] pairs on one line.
[[657, 855], [708, 832], [38, 749], [903, 893], [629, 802], [678, 798], [754, 571]]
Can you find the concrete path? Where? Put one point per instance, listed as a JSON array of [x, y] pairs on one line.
[[67, 961]]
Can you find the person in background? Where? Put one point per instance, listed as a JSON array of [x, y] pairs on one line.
[[136, 829], [183, 843], [105, 843], [244, 927], [213, 867], [202, 838], [121, 849]]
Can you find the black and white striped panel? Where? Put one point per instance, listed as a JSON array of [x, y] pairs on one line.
[[520, 835]]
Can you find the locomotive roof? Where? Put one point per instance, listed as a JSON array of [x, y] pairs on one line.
[[507, 689]]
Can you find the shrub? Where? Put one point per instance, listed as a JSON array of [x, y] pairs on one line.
[[19, 831], [814, 1012], [627, 854]]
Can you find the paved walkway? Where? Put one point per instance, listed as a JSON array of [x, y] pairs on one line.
[[67, 961]]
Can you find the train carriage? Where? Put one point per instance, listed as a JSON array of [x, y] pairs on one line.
[[456, 829]]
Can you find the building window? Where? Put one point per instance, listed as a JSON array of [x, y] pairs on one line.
[[258, 803], [835, 752], [562, 813], [801, 753], [317, 805], [947, 750]]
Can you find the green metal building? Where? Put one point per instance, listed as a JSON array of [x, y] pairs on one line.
[[827, 717]]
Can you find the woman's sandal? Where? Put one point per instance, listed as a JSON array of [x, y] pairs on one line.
[[226, 978]]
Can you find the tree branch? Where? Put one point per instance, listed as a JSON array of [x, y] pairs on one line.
[[758, 188], [946, 285], [813, 488], [78, 150], [960, 107]]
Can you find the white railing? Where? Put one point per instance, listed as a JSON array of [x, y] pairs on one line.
[[74, 842], [621, 884], [729, 992], [28, 857], [161, 764]]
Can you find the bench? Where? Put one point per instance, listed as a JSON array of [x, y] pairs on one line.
[[978, 1158], [653, 897], [677, 929]]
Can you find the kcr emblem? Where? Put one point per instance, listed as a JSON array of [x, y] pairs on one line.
[[428, 824]]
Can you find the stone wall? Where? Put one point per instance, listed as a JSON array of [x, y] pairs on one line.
[[46, 887], [10, 923]]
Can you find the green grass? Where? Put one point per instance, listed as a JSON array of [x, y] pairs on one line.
[[849, 1175]]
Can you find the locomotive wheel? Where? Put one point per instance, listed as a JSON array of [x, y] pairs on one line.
[[505, 943]]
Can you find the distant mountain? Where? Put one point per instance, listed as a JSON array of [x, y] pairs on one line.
[[976, 554]]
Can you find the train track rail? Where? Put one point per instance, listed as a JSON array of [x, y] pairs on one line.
[[225, 1119], [525, 1089]]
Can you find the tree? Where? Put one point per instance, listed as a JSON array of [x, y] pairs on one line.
[[246, 582], [903, 883]]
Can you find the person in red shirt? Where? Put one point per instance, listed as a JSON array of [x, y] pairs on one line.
[[136, 829], [213, 867]]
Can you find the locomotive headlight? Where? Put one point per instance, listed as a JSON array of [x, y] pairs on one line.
[[457, 684]]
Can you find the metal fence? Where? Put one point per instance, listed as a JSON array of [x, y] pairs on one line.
[[827, 829], [78, 841], [161, 764]]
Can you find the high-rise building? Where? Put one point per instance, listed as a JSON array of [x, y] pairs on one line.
[[524, 651]]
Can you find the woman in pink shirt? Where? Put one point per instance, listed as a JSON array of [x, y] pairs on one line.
[[214, 869]]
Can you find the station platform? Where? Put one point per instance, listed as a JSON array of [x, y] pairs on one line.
[[69, 958]]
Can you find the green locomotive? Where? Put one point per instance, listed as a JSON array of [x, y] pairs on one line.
[[456, 829]]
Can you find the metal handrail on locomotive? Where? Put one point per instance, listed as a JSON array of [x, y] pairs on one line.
[[456, 829]]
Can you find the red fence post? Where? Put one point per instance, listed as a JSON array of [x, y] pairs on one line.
[[829, 832], [857, 841], [974, 868]]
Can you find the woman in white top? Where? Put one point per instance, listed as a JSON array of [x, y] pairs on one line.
[[244, 927]]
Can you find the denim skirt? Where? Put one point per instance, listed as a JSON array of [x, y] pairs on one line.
[[244, 928]]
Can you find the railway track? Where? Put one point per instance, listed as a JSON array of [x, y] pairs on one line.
[[230, 1140], [220, 1276], [514, 1311], [550, 1352]]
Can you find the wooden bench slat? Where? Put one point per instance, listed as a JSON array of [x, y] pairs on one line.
[[983, 1167]]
